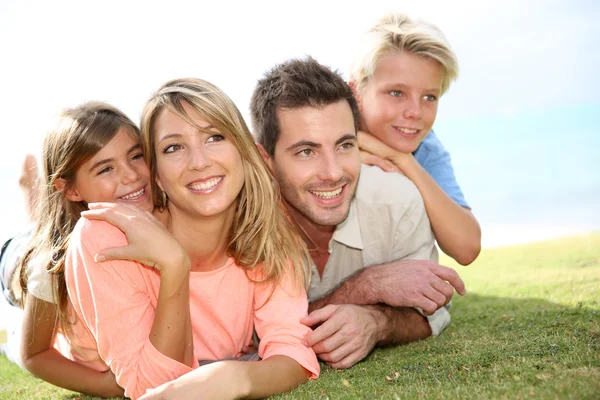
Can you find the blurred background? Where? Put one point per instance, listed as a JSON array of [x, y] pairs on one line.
[[520, 122]]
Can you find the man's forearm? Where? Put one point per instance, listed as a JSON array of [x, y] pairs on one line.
[[359, 289], [400, 325]]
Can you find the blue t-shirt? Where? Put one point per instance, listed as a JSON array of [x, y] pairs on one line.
[[435, 159]]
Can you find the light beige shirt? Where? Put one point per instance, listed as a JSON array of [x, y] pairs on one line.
[[387, 222]]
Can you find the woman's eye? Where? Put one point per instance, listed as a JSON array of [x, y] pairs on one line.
[[216, 138], [395, 93], [172, 148]]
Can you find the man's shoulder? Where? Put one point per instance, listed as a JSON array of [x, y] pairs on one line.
[[376, 186]]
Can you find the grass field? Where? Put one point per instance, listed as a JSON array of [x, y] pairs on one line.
[[529, 327]]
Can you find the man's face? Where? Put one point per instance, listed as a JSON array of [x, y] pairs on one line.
[[399, 103], [317, 162]]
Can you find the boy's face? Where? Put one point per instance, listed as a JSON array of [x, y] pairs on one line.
[[317, 162], [399, 103]]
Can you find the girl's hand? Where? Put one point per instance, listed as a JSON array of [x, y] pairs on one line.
[[149, 241], [219, 380]]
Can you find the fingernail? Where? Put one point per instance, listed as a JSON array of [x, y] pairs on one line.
[[304, 343], [99, 258]]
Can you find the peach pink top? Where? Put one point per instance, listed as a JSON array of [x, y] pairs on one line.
[[115, 302]]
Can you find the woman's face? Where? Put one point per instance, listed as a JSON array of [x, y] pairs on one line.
[[202, 173], [398, 105], [115, 174]]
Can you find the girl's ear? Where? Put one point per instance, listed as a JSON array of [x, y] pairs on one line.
[[71, 193]]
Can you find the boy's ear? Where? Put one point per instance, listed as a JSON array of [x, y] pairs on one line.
[[265, 156], [70, 193], [352, 84]]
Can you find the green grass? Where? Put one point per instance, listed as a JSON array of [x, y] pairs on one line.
[[529, 327]]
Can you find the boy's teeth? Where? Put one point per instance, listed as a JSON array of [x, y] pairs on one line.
[[327, 195], [408, 131], [134, 195], [205, 185]]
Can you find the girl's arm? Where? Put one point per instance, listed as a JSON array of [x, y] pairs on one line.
[[234, 380], [142, 330], [456, 229], [45, 362]]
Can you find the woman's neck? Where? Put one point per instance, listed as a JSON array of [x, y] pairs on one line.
[[204, 239]]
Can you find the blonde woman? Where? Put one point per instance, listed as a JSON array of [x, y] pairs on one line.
[[403, 68], [217, 260]]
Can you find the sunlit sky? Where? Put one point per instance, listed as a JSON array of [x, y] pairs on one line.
[[516, 57]]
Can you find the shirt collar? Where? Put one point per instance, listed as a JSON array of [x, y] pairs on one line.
[[348, 232]]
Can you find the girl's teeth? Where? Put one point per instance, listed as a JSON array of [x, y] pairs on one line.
[[327, 195], [134, 195], [205, 185]]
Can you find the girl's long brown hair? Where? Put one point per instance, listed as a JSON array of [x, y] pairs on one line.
[[80, 133]]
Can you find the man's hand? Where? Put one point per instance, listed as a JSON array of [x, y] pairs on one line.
[[415, 283], [347, 333]]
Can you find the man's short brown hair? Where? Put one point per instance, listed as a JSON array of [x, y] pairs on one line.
[[294, 84]]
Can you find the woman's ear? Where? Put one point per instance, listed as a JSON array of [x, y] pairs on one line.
[[70, 193]]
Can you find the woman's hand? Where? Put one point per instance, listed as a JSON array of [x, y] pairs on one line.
[[149, 241], [219, 380]]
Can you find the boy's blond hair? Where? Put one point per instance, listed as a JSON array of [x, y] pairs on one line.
[[396, 32]]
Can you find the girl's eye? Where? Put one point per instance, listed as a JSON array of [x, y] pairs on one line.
[[104, 170], [137, 156], [216, 138], [395, 93], [172, 148]]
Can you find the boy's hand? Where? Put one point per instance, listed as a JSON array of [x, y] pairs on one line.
[[374, 152]]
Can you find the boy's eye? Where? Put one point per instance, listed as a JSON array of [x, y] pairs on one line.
[[172, 148], [395, 93], [430, 97], [216, 138]]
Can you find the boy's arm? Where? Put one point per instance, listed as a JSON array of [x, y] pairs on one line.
[[456, 229], [45, 362]]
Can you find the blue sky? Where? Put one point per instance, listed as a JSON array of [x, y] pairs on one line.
[[519, 121]]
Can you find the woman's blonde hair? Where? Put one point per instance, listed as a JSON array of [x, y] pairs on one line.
[[261, 234], [396, 33], [80, 133]]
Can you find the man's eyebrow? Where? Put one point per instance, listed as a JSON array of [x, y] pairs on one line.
[[348, 136], [304, 143]]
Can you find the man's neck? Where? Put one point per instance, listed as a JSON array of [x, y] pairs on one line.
[[316, 237]]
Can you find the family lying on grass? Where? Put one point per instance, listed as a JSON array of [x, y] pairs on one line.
[[208, 263]]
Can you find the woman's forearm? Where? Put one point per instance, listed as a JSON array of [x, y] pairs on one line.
[[456, 229]]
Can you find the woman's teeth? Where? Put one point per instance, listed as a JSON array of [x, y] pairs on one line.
[[206, 185]]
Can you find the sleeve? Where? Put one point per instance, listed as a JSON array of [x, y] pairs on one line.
[[439, 320], [277, 323], [39, 280], [114, 300], [435, 159], [413, 236]]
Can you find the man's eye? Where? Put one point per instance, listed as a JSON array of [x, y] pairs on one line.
[[347, 145], [305, 152]]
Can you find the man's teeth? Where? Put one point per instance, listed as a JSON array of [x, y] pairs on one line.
[[408, 131], [134, 195], [327, 195], [206, 185]]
